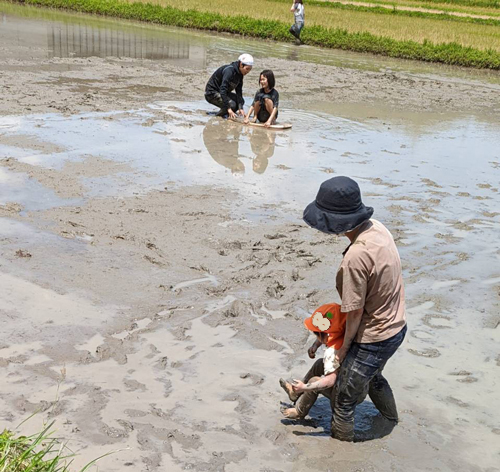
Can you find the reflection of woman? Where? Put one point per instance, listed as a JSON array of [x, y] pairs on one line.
[[262, 143], [221, 139]]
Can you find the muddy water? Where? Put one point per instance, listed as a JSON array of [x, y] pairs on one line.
[[59, 34], [202, 394]]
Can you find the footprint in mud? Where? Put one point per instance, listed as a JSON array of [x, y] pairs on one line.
[[256, 379], [443, 322], [429, 352], [457, 402], [422, 335], [448, 238], [464, 376], [430, 183]]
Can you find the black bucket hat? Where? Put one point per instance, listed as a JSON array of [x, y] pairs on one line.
[[338, 207]]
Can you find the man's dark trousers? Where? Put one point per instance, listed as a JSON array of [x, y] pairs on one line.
[[216, 99], [362, 368]]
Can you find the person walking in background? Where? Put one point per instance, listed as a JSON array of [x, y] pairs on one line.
[[370, 284], [219, 89], [298, 10]]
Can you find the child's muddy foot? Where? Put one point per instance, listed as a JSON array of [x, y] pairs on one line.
[[289, 391], [291, 414]]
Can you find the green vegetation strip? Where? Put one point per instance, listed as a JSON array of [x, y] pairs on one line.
[[447, 53], [397, 12], [469, 3], [40, 452]]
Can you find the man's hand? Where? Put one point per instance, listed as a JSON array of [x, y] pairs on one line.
[[298, 386], [231, 114], [340, 354], [241, 112], [246, 121]]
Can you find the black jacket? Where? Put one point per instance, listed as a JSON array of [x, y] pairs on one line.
[[224, 80]]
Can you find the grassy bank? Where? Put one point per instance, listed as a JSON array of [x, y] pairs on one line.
[[397, 27], [437, 6], [393, 11], [333, 32], [37, 453]]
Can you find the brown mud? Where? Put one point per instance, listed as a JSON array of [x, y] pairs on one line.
[[155, 271]]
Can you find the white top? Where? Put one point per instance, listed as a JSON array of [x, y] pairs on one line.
[[299, 12], [330, 363]]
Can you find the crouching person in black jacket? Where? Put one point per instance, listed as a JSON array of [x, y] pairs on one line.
[[219, 89]]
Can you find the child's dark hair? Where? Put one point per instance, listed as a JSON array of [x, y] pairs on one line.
[[269, 75], [298, 1]]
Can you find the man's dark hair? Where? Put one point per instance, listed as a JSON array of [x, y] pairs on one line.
[[269, 75]]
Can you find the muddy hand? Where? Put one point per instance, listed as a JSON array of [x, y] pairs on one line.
[[311, 352], [298, 386]]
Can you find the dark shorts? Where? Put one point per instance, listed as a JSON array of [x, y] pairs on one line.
[[263, 114]]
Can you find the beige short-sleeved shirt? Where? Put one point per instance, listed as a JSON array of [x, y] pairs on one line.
[[370, 278]]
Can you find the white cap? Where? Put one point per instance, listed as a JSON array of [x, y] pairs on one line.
[[246, 59]]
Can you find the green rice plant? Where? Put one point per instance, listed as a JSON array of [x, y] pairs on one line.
[[401, 26], [397, 12], [41, 452], [435, 5], [447, 52]]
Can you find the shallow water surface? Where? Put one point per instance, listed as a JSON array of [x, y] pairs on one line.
[[433, 179]]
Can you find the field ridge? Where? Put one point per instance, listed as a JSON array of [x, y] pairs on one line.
[[446, 53]]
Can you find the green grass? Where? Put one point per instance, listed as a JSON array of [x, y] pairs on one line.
[[437, 6], [400, 27], [397, 12], [37, 453], [358, 39], [468, 3]]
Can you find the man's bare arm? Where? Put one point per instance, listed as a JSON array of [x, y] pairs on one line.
[[353, 320]]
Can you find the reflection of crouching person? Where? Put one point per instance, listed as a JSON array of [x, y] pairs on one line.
[[328, 324]]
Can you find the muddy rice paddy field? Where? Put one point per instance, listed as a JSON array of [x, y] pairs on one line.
[[155, 271]]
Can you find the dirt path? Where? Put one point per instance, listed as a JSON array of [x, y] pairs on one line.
[[421, 9]]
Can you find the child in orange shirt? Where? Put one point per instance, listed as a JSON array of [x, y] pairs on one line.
[[328, 324]]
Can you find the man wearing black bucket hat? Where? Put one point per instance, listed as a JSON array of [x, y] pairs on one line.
[[370, 284]]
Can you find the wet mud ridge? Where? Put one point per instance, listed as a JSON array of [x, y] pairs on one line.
[[155, 271]]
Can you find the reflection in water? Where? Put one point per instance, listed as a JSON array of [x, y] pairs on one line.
[[222, 140], [82, 40], [263, 142]]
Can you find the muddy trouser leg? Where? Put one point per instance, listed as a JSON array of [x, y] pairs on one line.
[[216, 99], [298, 28], [362, 366], [307, 399], [316, 370]]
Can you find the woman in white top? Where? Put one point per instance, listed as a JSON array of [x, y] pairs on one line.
[[298, 10]]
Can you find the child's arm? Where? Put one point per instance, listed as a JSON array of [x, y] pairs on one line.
[[312, 350], [247, 118], [323, 383], [271, 119], [293, 7]]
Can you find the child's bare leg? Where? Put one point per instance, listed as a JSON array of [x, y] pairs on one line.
[[269, 107], [256, 109], [303, 405]]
